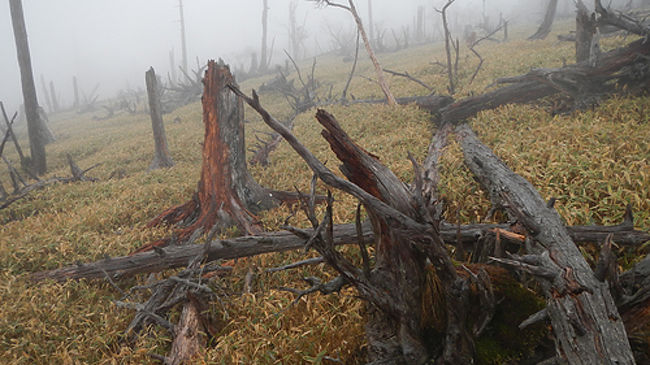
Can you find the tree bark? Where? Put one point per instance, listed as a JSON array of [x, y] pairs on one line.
[[177, 256], [189, 339], [545, 28], [586, 323], [161, 158], [174, 257], [585, 29], [36, 129], [227, 194], [574, 80], [395, 335], [405, 234]]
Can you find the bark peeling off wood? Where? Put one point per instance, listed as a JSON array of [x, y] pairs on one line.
[[586, 324], [227, 194]]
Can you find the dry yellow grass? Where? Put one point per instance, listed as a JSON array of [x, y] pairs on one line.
[[594, 162]]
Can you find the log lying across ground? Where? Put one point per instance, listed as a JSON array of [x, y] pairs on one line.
[[587, 326], [578, 81], [178, 256]]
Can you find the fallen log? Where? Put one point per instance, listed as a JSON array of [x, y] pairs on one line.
[[587, 326], [574, 80], [178, 256]]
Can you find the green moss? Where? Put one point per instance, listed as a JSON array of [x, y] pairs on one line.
[[502, 340]]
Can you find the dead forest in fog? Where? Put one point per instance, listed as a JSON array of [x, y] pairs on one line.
[[434, 288]]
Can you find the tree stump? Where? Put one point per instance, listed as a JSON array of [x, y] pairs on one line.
[[227, 194], [161, 157]]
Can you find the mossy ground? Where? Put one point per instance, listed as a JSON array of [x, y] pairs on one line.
[[595, 162]]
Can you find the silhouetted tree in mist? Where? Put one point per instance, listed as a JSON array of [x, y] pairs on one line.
[[39, 133]]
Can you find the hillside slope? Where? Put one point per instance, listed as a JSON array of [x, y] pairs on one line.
[[594, 162]]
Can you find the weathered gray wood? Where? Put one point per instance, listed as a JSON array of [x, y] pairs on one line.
[[75, 89], [573, 80], [53, 98], [46, 95], [161, 158], [585, 30], [178, 256], [586, 323], [175, 256], [36, 128]]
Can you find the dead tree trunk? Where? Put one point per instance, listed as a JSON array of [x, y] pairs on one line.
[[174, 257], [55, 101], [366, 41], [545, 28], [161, 158], [614, 67], [46, 95], [39, 134], [585, 30], [227, 194], [263, 57], [451, 75], [405, 235], [586, 323], [75, 88], [419, 24], [183, 43]]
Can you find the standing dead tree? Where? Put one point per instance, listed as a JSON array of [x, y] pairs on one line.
[[46, 95], [449, 43], [265, 56], [297, 33], [75, 89], [183, 42], [39, 133], [354, 67], [378, 70], [161, 158], [585, 31], [545, 28], [54, 98]]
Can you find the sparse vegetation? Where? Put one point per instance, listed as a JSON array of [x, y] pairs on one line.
[[594, 162]]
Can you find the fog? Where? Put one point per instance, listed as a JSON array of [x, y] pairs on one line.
[[114, 42]]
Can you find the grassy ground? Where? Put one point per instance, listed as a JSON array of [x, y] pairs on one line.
[[594, 162]]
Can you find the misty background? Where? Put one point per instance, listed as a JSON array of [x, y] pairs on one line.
[[114, 42]]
